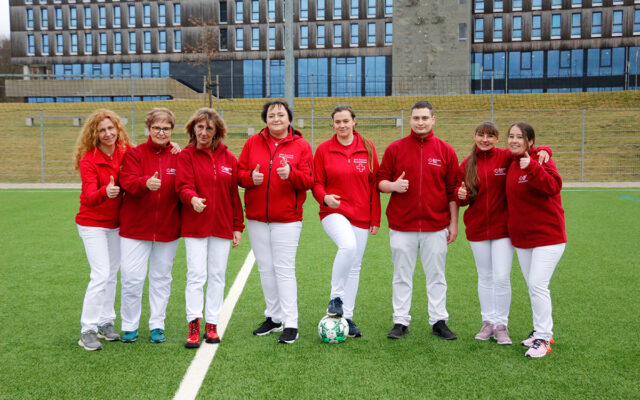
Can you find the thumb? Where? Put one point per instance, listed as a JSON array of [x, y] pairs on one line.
[[203, 199], [257, 168], [526, 154], [401, 175], [112, 181], [155, 175], [335, 196], [463, 185]]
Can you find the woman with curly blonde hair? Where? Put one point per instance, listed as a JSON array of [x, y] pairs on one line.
[[99, 152]]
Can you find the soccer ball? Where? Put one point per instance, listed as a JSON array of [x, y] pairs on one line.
[[333, 330]]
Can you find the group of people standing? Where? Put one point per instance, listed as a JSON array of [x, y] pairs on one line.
[[137, 201]]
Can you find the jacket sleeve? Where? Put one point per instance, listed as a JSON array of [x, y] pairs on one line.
[[319, 177], [244, 166], [386, 170], [461, 175], [376, 209], [238, 216], [93, 193], [452, 179], [301, 175], [131, 177], [185, 178], [544, 178]]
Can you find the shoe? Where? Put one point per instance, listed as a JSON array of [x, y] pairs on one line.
[[129, 336], [267, 327], [157, 336], [539, 348], [193, 338], [398, 331], [107, 333], [441, 329], [334, 309], [486, 332], [501, 334], [89, 341], [529, 341], [353, 329], [212, 333], [289, 335]]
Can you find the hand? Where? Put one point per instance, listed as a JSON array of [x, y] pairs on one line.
[[112, 190], [175, 148], [401, 185], [198, 204], [154, 183], [373, 230], [462, 192], [453, 232], [332, 200], [284, 171], [237, 238], [525, 160], [543, 156], [258, 177]]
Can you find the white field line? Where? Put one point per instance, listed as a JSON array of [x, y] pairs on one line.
[[198, 368]]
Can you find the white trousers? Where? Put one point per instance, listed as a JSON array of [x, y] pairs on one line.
[[275, 246], [537, 266], [432, 247], [206, 258], [102, 246], [135, 256], [351, 242], [493, 262]]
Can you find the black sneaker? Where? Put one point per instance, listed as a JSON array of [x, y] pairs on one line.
[[353, 329], [441, 329], [289, 335], [334, 309], [267, 327], [398, 331]]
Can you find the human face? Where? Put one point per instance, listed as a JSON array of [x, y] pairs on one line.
[[517, 142], [344, 124], [107, 134], [160, 132], [277, 120], [204, 131], [422, 121], [485, 140]]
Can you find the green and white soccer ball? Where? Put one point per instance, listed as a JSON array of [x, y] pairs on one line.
[[333, 330]]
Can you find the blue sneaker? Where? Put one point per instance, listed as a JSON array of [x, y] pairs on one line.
[[129, 336], [334, 309], [157, 336]]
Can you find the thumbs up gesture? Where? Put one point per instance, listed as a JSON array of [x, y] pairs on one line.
[[285, 170], [112, 190], [525, 160], [401, 185], [462, 191], [154, 183], [257, 176]]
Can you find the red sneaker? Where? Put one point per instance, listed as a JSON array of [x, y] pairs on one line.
[[193, 338], [212, 333]]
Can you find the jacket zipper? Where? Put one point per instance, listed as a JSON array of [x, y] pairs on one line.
[[420, 184]]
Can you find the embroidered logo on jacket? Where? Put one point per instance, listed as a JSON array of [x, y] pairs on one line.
[[226, 170], [500, 171], [523, 179], [361, 164], [170, 171], [284, 158], [434, 161]]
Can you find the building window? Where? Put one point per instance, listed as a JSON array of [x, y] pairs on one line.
[[576, 23], [388, 33], [371, 8], [224, 44], [177, 16], [354, 34], [517, 5], [596, 24], [576, 3], [223, 12], [479, 6], [271, 10], [132, 42], [59, 43], [517, 28], [102, 17], [636, 22], [255, 38], [337, 35], [462, 32], [304, 36], [371, 33], [45, 44], [88, 43], [255, 10], [304, 9], [536, 27], [388, 7], [146, 15], [497, 29], [239, 11], [478, 30], [132, 16], [177, 40], [596, 3], [31, 45], [162, 41], [320, 9], [239, 39], [44, 18], [337, 9], [536, 4], [272, 37], [320, 36], [103, 42], [498, 5], [117, 42], [556, 3], [162, 15], [58, 18], [354, 9], [616, 28], [147, 41], [556, 21], [29, 18], [117, 16], [74, 43]]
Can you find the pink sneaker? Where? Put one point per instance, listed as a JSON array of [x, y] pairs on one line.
[[539, 348], [529, 341], [501, 334], [486, 332]]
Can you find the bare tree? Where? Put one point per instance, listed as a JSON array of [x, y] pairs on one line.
[[202, 47], [6, 67]]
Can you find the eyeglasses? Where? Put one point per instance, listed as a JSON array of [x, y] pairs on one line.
[[158, 129]]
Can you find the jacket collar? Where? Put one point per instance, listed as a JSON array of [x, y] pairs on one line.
[[421, 139], [156, 147]]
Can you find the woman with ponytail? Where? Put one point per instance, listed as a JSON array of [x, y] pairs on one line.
[[344, 169]]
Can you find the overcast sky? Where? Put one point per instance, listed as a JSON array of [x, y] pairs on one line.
[[4, 18]]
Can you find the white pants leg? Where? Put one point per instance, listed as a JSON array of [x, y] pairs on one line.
[[160, 265], [537, 266], [351, 242], [493, 262], [433, 254], [275, 246], [205, 256], [404, 253], [134, 259], [102, 247]]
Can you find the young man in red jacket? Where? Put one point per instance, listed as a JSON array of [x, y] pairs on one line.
[[421, 173]]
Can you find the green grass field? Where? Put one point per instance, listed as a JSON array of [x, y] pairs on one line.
[[595, 289]]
